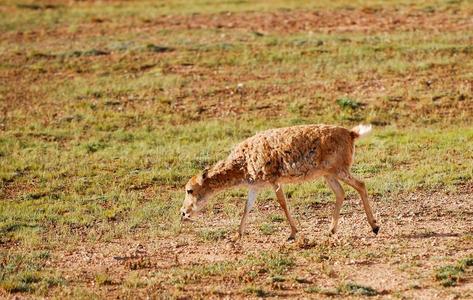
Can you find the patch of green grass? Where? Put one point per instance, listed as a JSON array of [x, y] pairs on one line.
[[449, 275], [276, 263], [348, 103], [95, 146], [103, 279], [321, 290], [466, 262], [213, 234], [134, 280], [256, 291], [452, 275], [197, 273], [351, 288], [275, 218], [139, 181], [267, 228], [25, 273], [278, 278]]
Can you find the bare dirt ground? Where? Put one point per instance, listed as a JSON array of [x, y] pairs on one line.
[[223, 100], [417, 231], [366, 20], [347, 20]]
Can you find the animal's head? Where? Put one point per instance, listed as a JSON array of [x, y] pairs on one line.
[[196, 196]]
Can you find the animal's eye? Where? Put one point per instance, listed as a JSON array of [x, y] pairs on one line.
[[190, 191]]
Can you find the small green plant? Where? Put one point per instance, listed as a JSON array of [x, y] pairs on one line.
[[302, 280], [278, 278], [94, 147], [14, 286], [267, 228], [449, 275], [21, 273], [133, 280], [347, 103], [279, 263], [258, 292], [213, 235], [296, 107], [320, 290], [158, 49], [312, 290], [276, 218], [467, 262], [102, 279], [351, 288]]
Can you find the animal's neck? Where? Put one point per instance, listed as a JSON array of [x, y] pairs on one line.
[[223, 175]]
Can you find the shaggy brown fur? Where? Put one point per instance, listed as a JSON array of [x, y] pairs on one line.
[[285, 155]]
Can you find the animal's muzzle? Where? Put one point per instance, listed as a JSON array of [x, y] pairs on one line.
[[185, 216]]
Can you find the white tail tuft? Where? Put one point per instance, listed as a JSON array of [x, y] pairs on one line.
[[362, 130]]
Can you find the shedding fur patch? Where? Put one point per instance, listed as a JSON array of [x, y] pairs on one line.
[[362, 130], [283, 155]]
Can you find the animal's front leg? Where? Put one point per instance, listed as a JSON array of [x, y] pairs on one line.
[[282, 202], [340, 196], [252, 193]]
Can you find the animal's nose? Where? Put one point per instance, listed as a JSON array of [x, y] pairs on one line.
[[184, 216]]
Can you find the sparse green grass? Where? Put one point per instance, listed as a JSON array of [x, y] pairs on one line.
[[466, 262], [278, 278], [267, 228], [102, 279], [449, 275], [348, 103], [213, 235], [452, 275], [346, 289], [351, 288], [25, 273], [135, 281], [276, 218], [28, 15], [256, 291], [323, 291], [275, 263], [84, 189], [197, 273]]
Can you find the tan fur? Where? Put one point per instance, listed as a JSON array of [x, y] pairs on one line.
[[284, 155]]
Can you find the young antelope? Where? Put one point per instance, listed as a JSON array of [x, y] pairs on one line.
[[285, 155]]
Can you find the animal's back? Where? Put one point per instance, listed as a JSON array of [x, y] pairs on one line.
[[293, 152]]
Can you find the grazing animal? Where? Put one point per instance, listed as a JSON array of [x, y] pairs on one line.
[[284, 155]]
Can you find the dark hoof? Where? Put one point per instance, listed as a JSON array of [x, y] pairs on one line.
[[376, 230], [291, 238]]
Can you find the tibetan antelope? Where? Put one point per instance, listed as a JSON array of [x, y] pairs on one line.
[[285, 155]]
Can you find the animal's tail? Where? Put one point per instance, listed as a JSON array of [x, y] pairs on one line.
[[361, 131]]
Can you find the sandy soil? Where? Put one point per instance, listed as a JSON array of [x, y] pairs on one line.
[[419, 233]]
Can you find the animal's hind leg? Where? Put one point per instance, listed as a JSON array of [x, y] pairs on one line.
[[252, 193], [340, 196], [361, 189], [282, 201]]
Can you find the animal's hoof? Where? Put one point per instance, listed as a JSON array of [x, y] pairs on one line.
[[235, 238], [291, 238], [376, 230]]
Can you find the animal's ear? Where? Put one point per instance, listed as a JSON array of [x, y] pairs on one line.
[[205, 172], [203, 176]]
